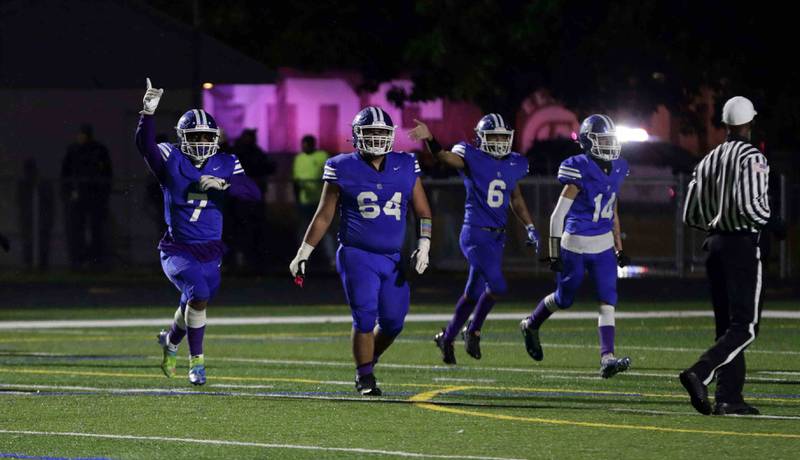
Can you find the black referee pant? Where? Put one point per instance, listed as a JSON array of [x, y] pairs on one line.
[[734, 272]]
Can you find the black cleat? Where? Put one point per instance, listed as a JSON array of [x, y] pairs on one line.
[[448, 353], [472, 341], [610, 367], [742, 408], [367, 385], [532, 343], [698, 393]]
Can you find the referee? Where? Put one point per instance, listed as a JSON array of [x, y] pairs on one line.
[[728, 199]]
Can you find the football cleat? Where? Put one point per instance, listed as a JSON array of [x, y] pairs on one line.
[[472, 341], [532, 343], [197, 370], [446, 347], [611, 366], [698, 393], [742, 408], [170, 357], [367, 385]]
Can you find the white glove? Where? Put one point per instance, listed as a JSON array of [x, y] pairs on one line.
[[210, 182], [151, 98], [419, 258], [297, 267]]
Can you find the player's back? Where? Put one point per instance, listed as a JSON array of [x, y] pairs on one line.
[[194, 216], [592, 212], [489, 182], [373, 203]]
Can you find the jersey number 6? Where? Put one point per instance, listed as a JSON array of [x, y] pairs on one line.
[[369, 209], [495, 196]]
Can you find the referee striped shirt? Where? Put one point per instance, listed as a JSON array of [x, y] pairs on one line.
[[728, 191]]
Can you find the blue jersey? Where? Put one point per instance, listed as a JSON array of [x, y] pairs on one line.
[[193, 216], [592, 212], [489, 182], [373, 204]]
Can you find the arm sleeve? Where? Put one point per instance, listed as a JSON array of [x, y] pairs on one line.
[[155, 155], [329, 172], [558, 216], [570, 173], [752, 193]]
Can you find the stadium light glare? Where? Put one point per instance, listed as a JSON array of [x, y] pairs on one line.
[[208, 85], [627, 134]]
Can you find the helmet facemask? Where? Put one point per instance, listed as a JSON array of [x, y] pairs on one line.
[[605, 146], [496, 142], [197, 146], [374, 140]]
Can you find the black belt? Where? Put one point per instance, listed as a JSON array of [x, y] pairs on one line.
[[493, 229]]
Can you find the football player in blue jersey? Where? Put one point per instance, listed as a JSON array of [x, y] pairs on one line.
[[372, 187], [194, 178], [490, 171], [585, 237]]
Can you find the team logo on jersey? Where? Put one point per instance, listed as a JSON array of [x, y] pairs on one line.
[[379, 186], [499, 174]]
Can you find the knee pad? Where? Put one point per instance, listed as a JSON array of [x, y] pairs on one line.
[[606, 316], [391, 326], [497, 286], [364, 321], [179, 317], [561, 300], [195, 318]]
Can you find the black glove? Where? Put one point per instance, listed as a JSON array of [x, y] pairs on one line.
[[777, 226], [4, 243], [623, 259]]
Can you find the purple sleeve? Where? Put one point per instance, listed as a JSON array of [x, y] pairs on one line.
[[146, 143], [243, 188]]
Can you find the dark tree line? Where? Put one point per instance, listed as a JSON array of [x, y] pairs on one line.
[[590, 55]]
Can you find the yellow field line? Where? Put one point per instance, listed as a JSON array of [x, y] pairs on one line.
[[438, 387], [421, 400]]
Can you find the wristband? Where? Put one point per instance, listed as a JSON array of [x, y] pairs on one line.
[[425, 228], [433, 145]]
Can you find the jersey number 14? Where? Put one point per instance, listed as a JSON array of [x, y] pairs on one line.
[[607, 211]]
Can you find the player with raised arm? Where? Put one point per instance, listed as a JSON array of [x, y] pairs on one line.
[[372, 187], [195, 178], [490, 171], [590, 238]]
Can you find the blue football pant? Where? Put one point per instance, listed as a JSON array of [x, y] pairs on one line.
[[194, 279], [601, 268], [375, 288], [484, 252]]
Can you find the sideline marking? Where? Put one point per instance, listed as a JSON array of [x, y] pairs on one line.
[[423, 400], [220, 442], [322, 319]]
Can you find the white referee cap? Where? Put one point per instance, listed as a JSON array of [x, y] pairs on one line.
[[738, 111]]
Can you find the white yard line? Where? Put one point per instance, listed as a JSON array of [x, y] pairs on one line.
[[322, 319], [665, 412], [220, 442]]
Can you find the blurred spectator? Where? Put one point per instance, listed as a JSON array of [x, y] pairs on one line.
[[307, 176], [86, 187], [35, 203], [245, 224]]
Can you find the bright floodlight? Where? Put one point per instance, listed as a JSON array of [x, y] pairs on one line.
[[626, 134]]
